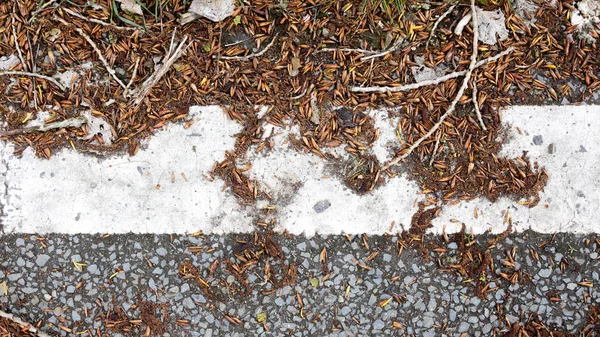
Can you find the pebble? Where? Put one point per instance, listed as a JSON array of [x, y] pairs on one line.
[[545, 272], [188, 303], [161, 251], [378, 325], [42, 259], [322, 206]]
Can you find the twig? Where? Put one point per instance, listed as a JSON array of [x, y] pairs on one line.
[[437, 22], [139, 94], [369, 54], [21, 322], [437, 143], [14, 31], [96, 20], [303, 93], [476, 105], [135, 69], [107, 66], [438, 80], [459, 94], [351, 50], [248, 57], [74, 122], [474, 61], [35, 13], [392, 48], [25, 73]]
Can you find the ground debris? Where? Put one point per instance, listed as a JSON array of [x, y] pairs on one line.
[[262, 253]]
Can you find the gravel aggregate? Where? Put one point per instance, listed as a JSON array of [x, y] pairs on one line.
[[74, 280]]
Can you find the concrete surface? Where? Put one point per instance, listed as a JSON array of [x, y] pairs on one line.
[[166, 187]]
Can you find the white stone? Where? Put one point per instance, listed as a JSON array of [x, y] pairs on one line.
[[214, 10]]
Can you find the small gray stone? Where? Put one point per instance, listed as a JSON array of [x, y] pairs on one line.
[[75, 316], [188, 303], [463, 327], [28, 290], [321, 206], [279, 301], [551, 148], [429, 333], [545, 273], [161, 251], [92, 269], [538, 140], [378, 325], [70, 289], [42, 259]]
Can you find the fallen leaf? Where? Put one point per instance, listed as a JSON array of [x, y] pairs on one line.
[[4, 288], [295, 67], [314, 282], [261, 317]]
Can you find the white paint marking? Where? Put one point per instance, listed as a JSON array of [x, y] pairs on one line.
[[73, 193], [572, 193]]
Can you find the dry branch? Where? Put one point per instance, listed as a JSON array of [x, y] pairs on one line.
[[14, 31], [437, 144], [75, 14], [172, 56], [42, 8], [437, 22], [438, 80], [21, 322], [369, 54], [476, 105], [459, 94], [74, 122], [248, 57], [25, 73], [107, 66]]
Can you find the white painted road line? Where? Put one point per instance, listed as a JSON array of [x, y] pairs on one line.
[[564, 140], [165, 187]]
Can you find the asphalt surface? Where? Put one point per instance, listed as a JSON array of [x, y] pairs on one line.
[[70, 283]]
